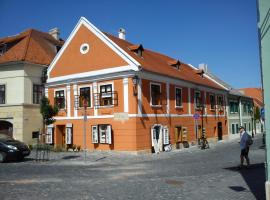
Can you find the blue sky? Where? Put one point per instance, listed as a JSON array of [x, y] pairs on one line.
[[220, 33]]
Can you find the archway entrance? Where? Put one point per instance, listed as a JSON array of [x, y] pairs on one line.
[[6, 128]]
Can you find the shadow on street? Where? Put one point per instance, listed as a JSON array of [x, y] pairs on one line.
[[254, 176]]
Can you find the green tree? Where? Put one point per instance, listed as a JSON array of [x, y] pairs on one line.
[[257, 115], [48, 111]]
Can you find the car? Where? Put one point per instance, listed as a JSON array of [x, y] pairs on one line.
[[11, 149]]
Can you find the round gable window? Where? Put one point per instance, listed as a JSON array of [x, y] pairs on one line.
[[84, 48]]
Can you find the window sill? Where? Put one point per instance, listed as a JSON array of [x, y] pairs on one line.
[[156, 106], [179, 107]]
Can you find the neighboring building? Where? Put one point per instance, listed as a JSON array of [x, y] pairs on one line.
[[256, 94], [239, 107], [137, 99], [264, 44], [23, 59]]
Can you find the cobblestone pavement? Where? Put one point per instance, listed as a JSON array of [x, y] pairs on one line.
[[180, 174]]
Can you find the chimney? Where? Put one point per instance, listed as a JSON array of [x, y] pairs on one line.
[[122, 34], [203, 67], [55, 32]]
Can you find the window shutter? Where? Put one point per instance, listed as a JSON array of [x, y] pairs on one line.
[[165, 135], [49, 135], [109, 134], [68, 135], [153, 136], [95, 134]]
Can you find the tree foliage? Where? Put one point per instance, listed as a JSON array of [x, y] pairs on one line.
[[257, 115], [48, 111]]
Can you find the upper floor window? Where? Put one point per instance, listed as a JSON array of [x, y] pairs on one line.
[[220, 101], [212, 101], [85, 95], [60, 99], [234, 107], [178, 97], [198, 99], [155, 94], [245, 107], [106, 97], [37, 94], [2, 94]]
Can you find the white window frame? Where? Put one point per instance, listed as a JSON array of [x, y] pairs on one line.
[[215, 103], [65, 95], [107, 83], [108, 134], [95, 135], [5, 86], [69, 135], [158, 84], [235, 102], [200, 96], [91, 94], [181, 97], [49, 135]]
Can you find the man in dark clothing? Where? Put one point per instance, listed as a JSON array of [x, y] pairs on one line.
[[244, 146]]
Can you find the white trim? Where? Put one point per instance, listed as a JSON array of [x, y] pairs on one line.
[[46, 92], [91, 95], [95, 90], [125, 88], [68, 100], [175, 88], [158, 84], [91, 73], [140, 96], [189, 103], [75, 93], [83, 21], [168, 97], [84, 51], [134, 116]]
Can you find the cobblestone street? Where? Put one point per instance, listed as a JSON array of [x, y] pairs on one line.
[[180, 174]]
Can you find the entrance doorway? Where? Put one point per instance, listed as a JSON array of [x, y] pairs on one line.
[[156, 136], [219, 130], [60, 135], [6, 128]]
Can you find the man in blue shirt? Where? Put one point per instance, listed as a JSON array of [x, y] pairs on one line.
[[244, 146]]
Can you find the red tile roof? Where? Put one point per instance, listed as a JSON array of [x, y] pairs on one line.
[[32, 46], [158, 63], [256, 94]]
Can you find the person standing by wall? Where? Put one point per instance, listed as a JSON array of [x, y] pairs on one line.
[[244, 146]]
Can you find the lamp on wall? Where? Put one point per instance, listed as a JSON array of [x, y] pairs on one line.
[[135, 81]]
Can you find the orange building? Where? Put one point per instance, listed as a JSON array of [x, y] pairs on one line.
[[137, 99]]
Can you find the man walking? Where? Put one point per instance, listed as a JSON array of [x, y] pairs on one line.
[[244, 146]]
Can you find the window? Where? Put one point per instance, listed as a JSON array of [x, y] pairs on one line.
[[3, 49], [49, 135], [106, 98], [155, 94], [84, 48], [245, 125], [102, 133], [220, 102], [245, 107], [37, 94], [178, 97], [85, 95], [237, 128], [233, 107], [212, 101], [35, 134], [198, 100], [60, 99], [2, 94]]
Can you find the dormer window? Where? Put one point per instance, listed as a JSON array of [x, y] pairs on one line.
[[200, 72], [3, 48], [137, 49], [175, 63]]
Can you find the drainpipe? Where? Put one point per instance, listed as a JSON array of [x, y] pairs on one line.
[[240, 111]]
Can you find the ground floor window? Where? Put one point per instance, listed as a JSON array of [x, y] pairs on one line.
[[234, 128], [49, 135], [102, 133]]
